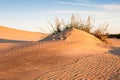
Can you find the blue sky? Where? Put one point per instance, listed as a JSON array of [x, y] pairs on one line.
[[32, 15]]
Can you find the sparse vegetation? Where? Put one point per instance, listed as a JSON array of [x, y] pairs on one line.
[[56, 28], [78, 23], [81, 24], [113, 36], [100, 32]]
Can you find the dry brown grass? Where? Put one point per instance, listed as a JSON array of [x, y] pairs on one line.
[[99, 33], [80, 24]]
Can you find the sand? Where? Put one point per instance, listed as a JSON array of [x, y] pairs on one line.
[[80, 56], [95, 67], [14, 34]]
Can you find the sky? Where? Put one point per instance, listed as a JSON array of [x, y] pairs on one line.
[[34, 15]]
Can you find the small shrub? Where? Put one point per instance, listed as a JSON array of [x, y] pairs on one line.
[[85, 25], [100, 32], [56, 28], [57, 24], [81, 24], [73, 23]]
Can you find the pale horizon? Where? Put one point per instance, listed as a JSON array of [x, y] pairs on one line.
[[33, 15]]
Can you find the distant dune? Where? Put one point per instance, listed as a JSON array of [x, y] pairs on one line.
[[14, 34]]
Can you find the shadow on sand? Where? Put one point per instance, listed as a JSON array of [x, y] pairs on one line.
[[115, 50], [12, 41]]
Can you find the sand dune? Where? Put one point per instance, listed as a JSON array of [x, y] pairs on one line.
[[74, 35], [75, 58], [81, 36], [13, 34]]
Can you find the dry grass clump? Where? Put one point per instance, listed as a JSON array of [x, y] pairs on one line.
[[100, 32], [78, 23], [56, 28], [74, 22], [81, 24]]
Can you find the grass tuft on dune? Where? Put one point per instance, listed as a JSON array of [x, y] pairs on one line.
[[80, 24]]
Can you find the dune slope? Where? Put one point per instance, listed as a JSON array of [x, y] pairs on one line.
[[14, 34], [81, 36]]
